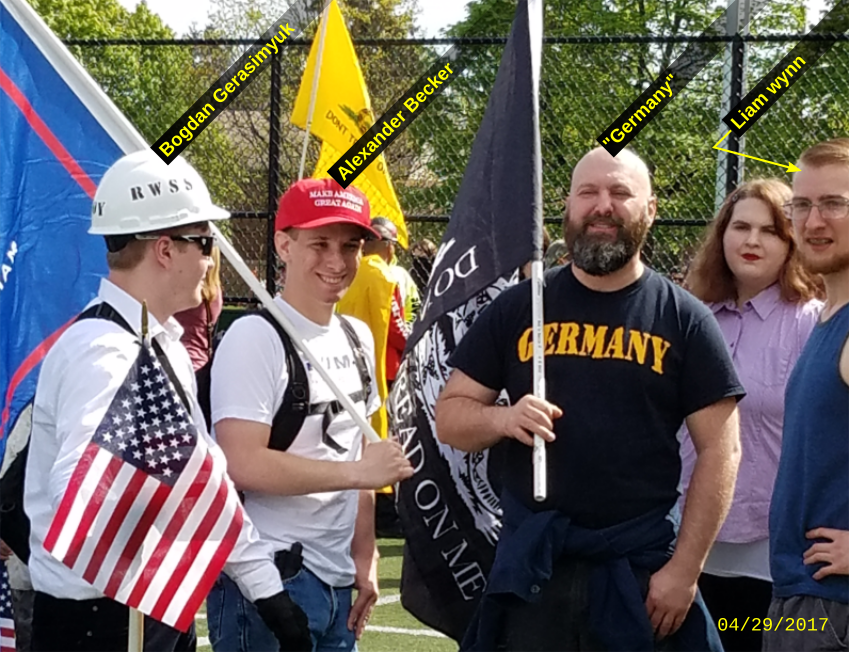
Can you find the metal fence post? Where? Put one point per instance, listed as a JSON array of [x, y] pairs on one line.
[[728, 166], [273, 173], [734, 164]]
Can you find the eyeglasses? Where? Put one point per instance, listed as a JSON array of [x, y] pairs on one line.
[[205, 242], [834, 209]]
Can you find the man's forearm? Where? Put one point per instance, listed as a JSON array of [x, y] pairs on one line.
[[468, 425], [709, 498], [280, 473], [363, 546]]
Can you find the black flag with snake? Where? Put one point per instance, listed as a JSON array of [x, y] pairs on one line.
[[449, 508]]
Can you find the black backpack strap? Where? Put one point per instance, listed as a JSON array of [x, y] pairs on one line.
[[14, 523], [169, 370], [294, 409], [331, 409], [359, 359], [106, 311]]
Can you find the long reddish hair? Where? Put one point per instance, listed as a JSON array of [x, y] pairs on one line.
[[710, 278]]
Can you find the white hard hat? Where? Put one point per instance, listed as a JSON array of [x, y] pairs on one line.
[[140, 193]]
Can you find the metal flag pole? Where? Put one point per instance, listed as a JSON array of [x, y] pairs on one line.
[[135, 640], [145, 324], [135, 637], [316, 76], [535, 9]]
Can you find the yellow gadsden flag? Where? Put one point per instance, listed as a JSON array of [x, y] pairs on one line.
[[342, 114]]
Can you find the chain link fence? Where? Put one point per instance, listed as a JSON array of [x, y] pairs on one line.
[[251, 153]]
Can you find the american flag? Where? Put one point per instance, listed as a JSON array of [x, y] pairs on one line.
[[7, 624], [148, 517]]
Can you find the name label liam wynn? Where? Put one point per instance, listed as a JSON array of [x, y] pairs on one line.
[[789, 70], [749, 110]]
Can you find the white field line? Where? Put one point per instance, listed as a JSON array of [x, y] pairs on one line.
[[388, 599], [203, 640], [408, 632]]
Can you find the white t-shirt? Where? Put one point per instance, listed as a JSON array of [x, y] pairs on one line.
[[739, 560], [249, 377]]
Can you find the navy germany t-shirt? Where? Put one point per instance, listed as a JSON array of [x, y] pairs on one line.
[[626, 368]]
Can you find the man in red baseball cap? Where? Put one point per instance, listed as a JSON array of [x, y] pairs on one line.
[[299, 458]]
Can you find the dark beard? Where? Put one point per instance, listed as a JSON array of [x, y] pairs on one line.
[[598, 255]]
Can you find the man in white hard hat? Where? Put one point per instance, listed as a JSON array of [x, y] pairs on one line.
[[154, 218]]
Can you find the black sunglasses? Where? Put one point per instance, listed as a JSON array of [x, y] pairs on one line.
[[205, 242]]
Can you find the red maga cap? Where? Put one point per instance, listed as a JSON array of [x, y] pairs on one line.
[[311, 203]]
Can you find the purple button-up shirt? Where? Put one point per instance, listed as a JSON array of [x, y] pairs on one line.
[[765, 338]]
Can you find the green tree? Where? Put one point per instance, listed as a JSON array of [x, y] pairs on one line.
[[144, 82], [151, 85], [388, 72], [585, 87]]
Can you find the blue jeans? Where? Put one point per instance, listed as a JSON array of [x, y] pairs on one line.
[[235, 624]]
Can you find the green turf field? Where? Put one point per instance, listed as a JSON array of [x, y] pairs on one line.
[[391, 628]]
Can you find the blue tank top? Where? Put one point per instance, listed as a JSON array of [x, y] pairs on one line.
[[812, 486]]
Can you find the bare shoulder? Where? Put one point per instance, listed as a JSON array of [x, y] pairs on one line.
[[844, 361]]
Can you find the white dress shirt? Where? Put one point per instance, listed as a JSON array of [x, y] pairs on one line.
[[79, 378]]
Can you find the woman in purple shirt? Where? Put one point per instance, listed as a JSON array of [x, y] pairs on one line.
[[748, 272]]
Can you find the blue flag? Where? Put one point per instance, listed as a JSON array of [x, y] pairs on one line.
[[59, 134]]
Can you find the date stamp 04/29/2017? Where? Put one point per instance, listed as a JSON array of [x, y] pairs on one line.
[[768, 625]]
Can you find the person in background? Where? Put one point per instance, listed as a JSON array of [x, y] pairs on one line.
[[422, 253], [525, 272], [199, 328], [749, 274], [406, 285], [199, 323], [375, 298], [20, 582], [557, 254], [20, 588]]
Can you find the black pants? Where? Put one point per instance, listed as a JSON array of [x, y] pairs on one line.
[[737, 598], [560, 620], [100, 625]]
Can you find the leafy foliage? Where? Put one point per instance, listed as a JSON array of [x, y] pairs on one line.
[[585, 86]]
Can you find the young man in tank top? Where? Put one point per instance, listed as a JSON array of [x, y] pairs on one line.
[[809, 514]]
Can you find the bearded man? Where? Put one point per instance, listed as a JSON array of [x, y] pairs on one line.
[[605, 562]]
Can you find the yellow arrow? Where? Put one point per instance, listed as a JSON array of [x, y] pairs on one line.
[[790, 167]]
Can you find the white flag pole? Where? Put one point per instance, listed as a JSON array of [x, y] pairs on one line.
[[316, 77], [535, 9], [135, 640]]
